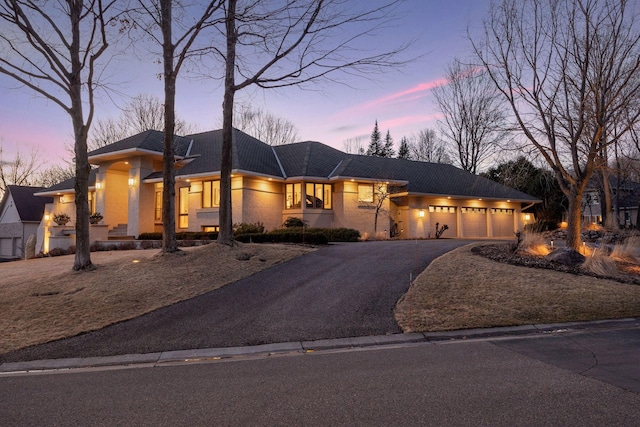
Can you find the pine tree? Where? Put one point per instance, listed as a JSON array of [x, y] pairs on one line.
[[403, 151], [375, 145], [387, 150]]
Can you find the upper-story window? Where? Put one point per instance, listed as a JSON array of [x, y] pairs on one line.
[[211, 194], [318, 196]]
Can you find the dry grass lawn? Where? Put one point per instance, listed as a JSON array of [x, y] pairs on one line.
[[461, 290], [43, 299]]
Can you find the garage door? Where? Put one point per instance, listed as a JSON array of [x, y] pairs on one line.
[[6, 246], [443, 215], [502, 222], [474, 222]]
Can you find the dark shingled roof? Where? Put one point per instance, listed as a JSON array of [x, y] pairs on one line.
[[309, 158], [315, 160], [249, 154], [70, 183], [150, 140], [30, 207]]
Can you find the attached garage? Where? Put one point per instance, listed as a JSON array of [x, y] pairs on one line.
[[474, 222], [502, 222], [443, 215]]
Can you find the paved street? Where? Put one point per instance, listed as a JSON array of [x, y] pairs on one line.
[[343, 290], [497, 382]]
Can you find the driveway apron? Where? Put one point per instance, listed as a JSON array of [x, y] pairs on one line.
[[342, 290]]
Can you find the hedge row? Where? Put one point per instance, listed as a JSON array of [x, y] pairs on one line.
[[313, 236], [182, 235], [284, 236]]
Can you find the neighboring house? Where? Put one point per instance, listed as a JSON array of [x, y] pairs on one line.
[[309, 180], [625, 196], [20, 215]]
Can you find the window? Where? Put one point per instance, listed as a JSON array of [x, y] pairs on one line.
[[158, 204], [318, 195], [210, 194], [183, 212], [365, 193], [293, 196], [210, 228], [92, 201]]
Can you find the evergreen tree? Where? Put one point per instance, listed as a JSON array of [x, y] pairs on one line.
[[375, 145], [387, 150], [403, 151]]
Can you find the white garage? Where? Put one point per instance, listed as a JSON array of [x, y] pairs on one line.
[[473, 221], [443, 215], [502, 222]]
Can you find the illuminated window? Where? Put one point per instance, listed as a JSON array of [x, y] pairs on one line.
[[210, 228], [210, 194], [318, 195], [365, 193], [293, 196], [183, 221], [158, 204], [92, 201]]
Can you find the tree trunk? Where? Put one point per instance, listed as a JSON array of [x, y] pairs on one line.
[[573, 221], [225, 235], [610, 220], [169, 243], [83, 254]]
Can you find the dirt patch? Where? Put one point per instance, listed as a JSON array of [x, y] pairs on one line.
[[486, 293], [43, 299]]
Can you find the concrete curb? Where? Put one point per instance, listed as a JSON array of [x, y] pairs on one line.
[[179, 356]]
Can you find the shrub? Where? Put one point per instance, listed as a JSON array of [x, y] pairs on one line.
[[126, 246], [150, 236], [533, 244], [248, 228], [293, 222], [182, 235]]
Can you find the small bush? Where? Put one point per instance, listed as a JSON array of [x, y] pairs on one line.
[[248, 228], [56, 252], [533, 244], [150, 236], [600, 264], [126, 246], [294, 222]]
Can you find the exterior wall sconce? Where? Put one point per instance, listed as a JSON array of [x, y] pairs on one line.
[[421, 213], [47, 217], [132, 181], [98, 186], [527, 217]]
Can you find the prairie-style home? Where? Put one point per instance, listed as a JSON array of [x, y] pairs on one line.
[[309, 180]]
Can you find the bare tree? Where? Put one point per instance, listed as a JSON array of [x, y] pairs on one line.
[[142, 113], [175, 51], [293, 42], [354, 146], [265, 126], [54, 175], [568, 69], [20, 170], [473, 114], [425, 146], [54, 49]]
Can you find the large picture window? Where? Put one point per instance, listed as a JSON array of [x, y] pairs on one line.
[[318, 195], [211, 194], [293, 196]]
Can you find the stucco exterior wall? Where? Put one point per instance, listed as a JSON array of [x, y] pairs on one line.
[[116, 198]]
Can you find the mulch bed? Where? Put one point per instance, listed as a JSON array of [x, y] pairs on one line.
[[504, 253]]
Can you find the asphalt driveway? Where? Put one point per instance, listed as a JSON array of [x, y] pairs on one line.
[[342, 290]]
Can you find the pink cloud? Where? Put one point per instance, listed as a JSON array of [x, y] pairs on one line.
[[413, 93]]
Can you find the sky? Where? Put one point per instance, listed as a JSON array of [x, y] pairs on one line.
[[400, 99]]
